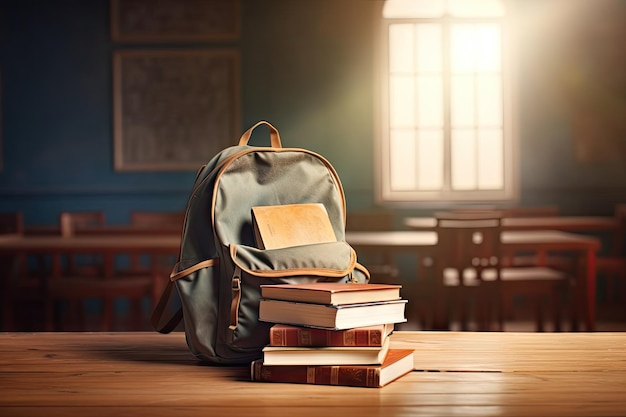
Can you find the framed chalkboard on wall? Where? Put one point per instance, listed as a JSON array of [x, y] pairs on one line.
[[174, 109], [174, 20], [1, 128]]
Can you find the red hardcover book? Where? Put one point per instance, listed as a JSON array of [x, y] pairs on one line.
[[285, 335], [397, 363]]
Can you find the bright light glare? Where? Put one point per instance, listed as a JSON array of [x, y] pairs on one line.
[[436, 8], [417, 99]]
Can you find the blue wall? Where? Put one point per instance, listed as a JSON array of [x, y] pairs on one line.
[[307, 66]]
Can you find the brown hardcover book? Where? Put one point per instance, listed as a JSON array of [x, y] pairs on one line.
[[288, 225], [332, 292], [397, 363], [285, 335], [335, 317]]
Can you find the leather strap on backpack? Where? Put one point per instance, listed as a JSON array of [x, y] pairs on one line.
[[274, 135], [161, 322], [165, 323]]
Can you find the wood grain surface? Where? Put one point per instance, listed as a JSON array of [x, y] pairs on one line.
[[471, 374]]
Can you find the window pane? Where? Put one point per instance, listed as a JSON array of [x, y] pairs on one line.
[[413, 8], [462, 101], [430, 159], [402, 160], [463, 48], [476, 8], [490, 156], [429, 47], [446, 91], [402, 101], [430, 101], [488, 38], [463, 154], [489, 100], [401, 48]]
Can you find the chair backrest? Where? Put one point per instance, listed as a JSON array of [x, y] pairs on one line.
[[520, 211], [11, 223], [468, 243], [620, 215], [530, 211], [158, 219], [371, 220], [70, 221]]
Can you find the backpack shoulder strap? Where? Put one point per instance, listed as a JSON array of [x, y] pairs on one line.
[[164, 320]]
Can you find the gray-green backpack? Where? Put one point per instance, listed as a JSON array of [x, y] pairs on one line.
[[220, 269]]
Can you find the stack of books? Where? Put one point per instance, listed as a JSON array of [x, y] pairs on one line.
[[332, 334]]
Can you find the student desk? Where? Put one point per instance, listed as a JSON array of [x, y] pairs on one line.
[[108, 248], [108, 245], [469, 374], [563, 223], [423, 242]]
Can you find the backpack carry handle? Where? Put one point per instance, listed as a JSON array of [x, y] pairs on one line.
[[274, 135]]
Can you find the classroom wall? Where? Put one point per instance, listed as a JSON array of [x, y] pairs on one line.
[[307, 66]]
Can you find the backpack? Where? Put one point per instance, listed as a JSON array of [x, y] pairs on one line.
[[220, 270]]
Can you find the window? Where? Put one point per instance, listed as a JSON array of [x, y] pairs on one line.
[[446, 126]]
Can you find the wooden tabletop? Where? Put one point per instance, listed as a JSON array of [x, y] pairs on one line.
[[564, 223], [515, 240], [166, 243], [469, 374]]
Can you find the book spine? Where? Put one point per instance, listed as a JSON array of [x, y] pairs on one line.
[[298, 336], [353, 376]]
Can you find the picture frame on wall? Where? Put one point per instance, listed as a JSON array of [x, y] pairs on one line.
[[1, 127], [174, 109], [174, 20]]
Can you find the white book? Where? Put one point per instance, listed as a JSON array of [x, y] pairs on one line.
[[337, 317], [286, 355]]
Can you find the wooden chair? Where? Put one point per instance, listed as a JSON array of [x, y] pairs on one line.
[[167, 221], [530, 211], [22, 290], [163, 221], [470, 281], [612, 266], [79, 288], [94, 277], [516, 211], [72, 221], [380, 264], [11, 223]]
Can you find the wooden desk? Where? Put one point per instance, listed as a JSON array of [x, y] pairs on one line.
[[106, 245], [469, 374], [116, 230], [109, 247], [562, 223], [422, 242]]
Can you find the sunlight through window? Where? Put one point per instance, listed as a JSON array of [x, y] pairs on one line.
[[445, 133]]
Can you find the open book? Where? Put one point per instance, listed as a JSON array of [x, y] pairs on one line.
[[288, 225]]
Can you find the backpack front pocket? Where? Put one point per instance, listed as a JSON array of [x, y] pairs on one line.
[[334, 262]]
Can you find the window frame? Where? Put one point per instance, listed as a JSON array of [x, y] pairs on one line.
[[446, 196]]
